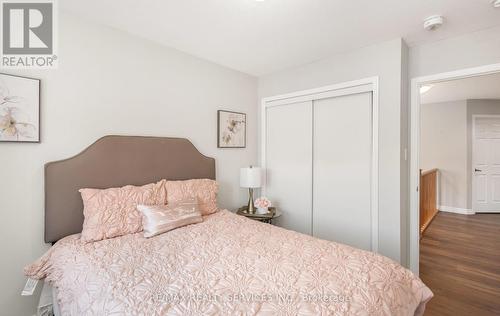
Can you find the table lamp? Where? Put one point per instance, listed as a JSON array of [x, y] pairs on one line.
[[250, 178]]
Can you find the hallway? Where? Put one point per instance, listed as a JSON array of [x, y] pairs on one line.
[[460, 263]]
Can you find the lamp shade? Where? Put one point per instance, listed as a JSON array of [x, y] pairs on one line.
[[250, 177]]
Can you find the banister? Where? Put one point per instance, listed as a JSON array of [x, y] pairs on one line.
[[428, 197], [426, 172]]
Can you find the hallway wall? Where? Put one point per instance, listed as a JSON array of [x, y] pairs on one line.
[[446, 144], [443, 145]]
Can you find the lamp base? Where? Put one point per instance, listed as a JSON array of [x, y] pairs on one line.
[[250, 207]]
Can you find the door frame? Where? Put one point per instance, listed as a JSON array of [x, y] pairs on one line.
[[416, 83], [370, 84], [473, 152]]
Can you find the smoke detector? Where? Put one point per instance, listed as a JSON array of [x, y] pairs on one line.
[[435, 21], [496, 3]]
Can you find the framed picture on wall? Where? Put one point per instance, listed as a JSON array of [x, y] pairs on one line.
[[231, 129], [19, 109]]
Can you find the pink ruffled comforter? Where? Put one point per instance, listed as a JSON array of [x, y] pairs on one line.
[[227, 265]]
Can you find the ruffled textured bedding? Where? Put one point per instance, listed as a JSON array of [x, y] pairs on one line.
[[226, 265]]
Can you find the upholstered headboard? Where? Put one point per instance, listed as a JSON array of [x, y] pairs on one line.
[[115, 161]]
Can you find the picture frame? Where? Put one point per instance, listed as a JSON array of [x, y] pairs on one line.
[[19, 109], [231, 129]]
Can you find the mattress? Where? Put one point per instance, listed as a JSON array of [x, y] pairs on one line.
[[226, 265]]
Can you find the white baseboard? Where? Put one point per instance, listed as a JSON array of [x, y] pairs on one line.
[[450, 209]]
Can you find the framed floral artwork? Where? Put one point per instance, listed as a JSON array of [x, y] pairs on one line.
[[231, 129], [19, 109]]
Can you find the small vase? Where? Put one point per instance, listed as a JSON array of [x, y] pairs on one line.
[[262, 210]]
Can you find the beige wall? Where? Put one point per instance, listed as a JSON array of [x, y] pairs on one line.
[[446, 143], [383, 60], [109, 82], [464, 51], [443, 145]]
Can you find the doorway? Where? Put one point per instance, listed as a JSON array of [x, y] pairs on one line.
[[416, 85], [455, 174]]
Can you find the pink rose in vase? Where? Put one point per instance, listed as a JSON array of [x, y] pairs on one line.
[[262, 205]]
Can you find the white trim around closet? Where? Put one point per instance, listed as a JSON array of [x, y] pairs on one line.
[[348, 88]]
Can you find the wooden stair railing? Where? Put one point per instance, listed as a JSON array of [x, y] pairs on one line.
[[428, 198]]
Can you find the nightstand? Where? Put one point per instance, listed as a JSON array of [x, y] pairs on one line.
[[265, 218]]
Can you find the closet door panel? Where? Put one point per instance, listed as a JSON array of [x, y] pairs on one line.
[[289, 163], [342, 157]]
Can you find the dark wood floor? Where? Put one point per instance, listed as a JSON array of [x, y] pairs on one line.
[[460, 263]]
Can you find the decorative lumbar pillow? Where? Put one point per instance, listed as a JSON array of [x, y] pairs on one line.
[[158, 219], [113, 212], [204, 190]]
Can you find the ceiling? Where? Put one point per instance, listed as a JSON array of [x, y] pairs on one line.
[[261, 37], [481, 87]]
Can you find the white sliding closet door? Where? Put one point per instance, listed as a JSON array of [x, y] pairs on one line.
[[342, 159], [288, 163]]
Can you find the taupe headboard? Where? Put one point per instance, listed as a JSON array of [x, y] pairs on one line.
[[115, 161]]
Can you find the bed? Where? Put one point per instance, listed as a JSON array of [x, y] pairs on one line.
[[226, 265]]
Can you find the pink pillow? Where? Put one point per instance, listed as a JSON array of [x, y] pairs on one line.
[[113, 212], [204, 190]]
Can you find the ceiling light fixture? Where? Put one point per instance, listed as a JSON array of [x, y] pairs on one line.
[[425, 89], [433, 22], [496, 3]]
